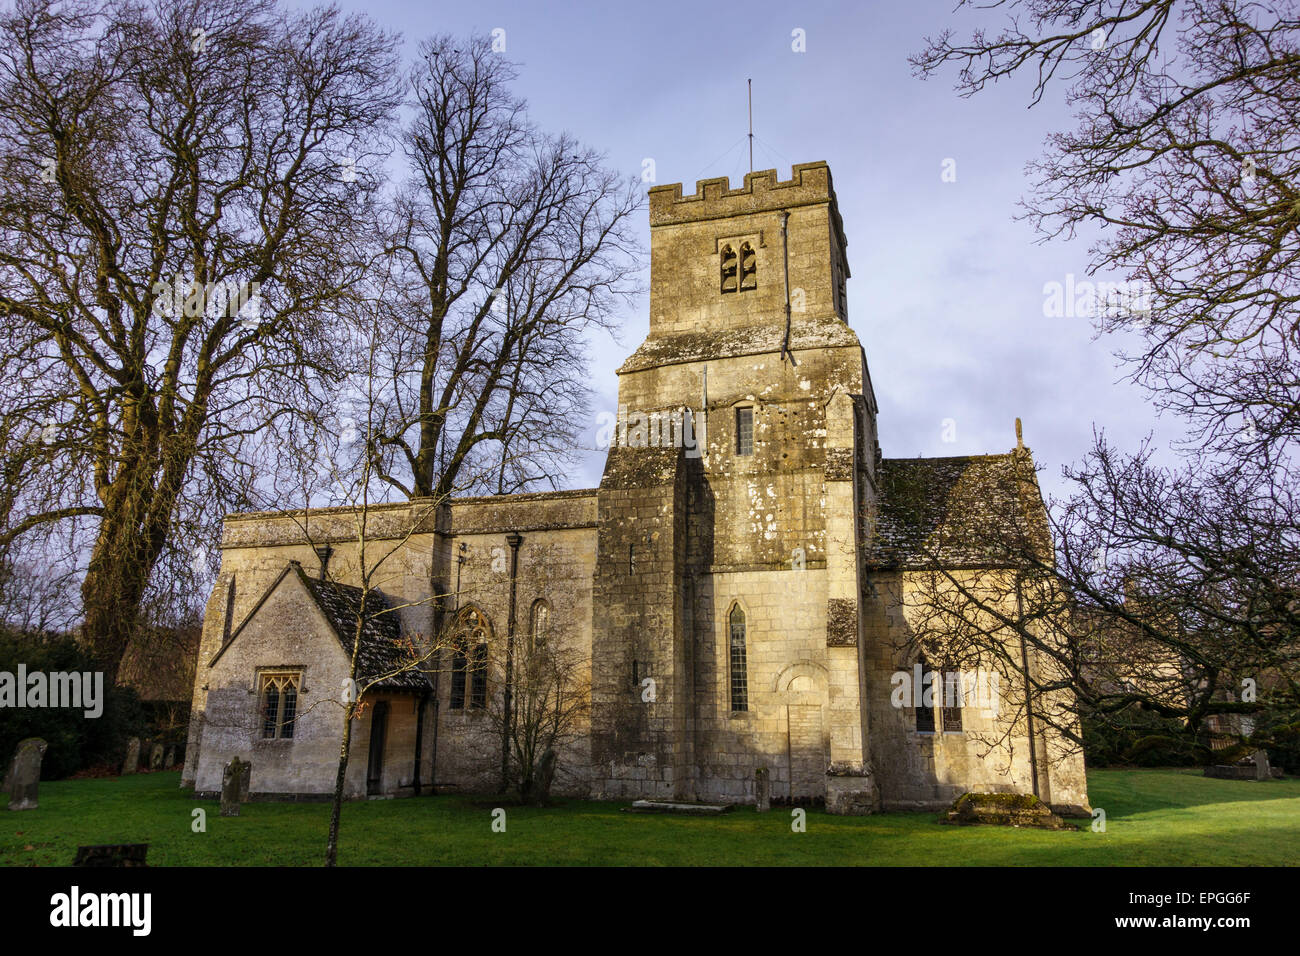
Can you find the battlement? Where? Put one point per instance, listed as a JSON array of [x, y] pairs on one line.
[[809, 184]]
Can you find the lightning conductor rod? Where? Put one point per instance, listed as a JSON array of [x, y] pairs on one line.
[[749, 84]]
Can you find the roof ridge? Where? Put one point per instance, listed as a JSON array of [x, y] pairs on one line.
[[991, 454]]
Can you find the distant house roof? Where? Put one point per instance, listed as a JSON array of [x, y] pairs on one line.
[[159, 662], [383, 648], [971, 511]]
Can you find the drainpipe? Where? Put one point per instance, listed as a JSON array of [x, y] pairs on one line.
[[785, 264], [507, 722], [437, 680], [1029, 704], [702, 431]]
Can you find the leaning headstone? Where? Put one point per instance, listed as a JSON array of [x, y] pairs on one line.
[[762, 790], [24, 776], [230, 785], [156, 757], [169, 757], [545, 777], [119, 854], [132, 762], [245, 778], [1262, 771]]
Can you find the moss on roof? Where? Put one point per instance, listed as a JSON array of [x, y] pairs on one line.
[[383, 648], [966, 511]]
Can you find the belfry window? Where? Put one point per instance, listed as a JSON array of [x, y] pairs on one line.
[[279, 704], [739, 270], [739, 671], [730, 269], [748, 267]]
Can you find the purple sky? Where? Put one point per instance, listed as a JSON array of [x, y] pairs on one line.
[[947, 290]]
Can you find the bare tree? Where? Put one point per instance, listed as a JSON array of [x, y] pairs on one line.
[[334, 460], [504, 247], [1165, 595], [179, 185], [542, 698], [1183, 168], [1182, 173], [37, 600]]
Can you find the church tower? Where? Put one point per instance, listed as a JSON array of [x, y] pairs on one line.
[[726, 624]]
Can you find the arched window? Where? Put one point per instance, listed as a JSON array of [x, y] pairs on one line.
[[729, 265], [739, 674], [478, 677], [924, 714], [541, 624], [279, 704], [954, 699], [748, 267], [459, 666], [469, 659]]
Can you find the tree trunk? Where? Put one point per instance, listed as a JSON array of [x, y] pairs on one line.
[[120, 565], [336, 806]]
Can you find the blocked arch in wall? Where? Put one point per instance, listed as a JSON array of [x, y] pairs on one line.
[[799, 679], [801, 689]]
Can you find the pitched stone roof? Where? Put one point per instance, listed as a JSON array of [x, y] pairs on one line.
[[974, 511], [383, 648]]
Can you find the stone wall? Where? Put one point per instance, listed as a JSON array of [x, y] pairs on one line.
[[292, 634], [929, 770]]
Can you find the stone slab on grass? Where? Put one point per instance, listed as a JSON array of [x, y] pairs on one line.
[[659, 806], [1005, 810]]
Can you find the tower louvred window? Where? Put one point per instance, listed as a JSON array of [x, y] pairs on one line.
[[748, 268], [730, 264]]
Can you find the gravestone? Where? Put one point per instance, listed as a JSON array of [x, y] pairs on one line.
[[1261, 765], [245, 778], [132, 762], [113, 854], [762, 790], [545, 777], [231, 784], [24, 776], [156, 757], [169, 757]]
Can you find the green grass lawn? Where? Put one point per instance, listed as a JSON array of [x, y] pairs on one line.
[[1153, 817]]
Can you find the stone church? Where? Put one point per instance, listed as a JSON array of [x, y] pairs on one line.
[[735, 588]]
